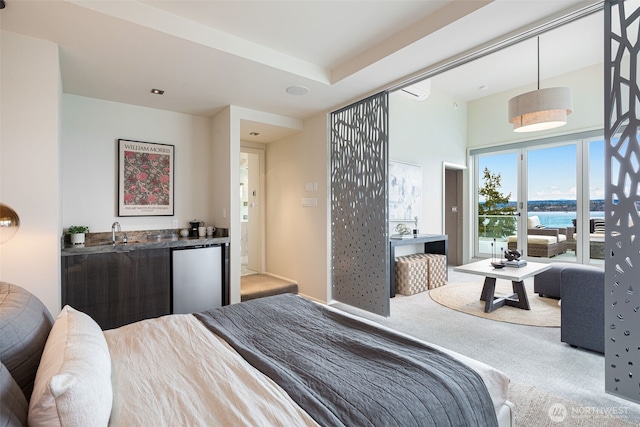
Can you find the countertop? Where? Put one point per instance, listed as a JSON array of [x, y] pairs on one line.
[[99, 243]]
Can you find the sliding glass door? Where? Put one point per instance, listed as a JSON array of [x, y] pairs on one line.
[[594, 218], [543, 198], [497, 223], [551, 201]]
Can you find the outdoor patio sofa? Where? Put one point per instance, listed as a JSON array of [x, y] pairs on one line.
[[596, 238], [541, 241]]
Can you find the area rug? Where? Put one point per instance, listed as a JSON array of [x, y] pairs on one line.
[[465, 297], [536, 407]]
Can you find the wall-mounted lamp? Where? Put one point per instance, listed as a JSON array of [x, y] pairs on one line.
[[9, 223], [540, 109]]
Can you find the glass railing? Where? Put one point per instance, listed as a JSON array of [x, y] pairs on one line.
[[494, 231], [497, 226]]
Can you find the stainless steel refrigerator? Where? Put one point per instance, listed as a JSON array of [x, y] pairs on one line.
[[196, 278]]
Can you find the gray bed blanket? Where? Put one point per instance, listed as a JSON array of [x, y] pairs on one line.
[[347, 373]]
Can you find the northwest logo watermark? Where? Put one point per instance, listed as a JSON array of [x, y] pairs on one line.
[[558, 412]]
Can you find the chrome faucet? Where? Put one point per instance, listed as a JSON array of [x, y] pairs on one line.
[[113, 231]]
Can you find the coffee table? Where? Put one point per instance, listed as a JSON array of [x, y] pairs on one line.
[[516, 274]]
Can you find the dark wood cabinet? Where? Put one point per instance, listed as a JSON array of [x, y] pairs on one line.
[[118, 288]]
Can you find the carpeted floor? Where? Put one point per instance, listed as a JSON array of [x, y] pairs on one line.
[[536, 407], [465, 297]]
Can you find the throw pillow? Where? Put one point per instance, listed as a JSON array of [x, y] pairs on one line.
[[13, 404], [598, 225], [533, 221], [25, 324], [73, 382]]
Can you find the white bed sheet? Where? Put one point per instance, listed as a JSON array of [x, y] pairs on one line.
[[173, 371]]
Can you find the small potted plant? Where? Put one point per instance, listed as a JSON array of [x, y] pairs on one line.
[[77, 234]]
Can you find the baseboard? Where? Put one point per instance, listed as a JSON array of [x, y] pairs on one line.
[[281, 277], [310, 298]]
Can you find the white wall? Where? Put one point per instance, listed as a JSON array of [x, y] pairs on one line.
[[428, 133], [91, 129], [30, 91], [488, 117], [297, 236], [489, 122]]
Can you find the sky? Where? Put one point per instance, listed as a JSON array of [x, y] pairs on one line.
[[552, 172]]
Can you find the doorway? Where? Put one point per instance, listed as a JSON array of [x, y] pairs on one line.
[[251, 211], [453, 214]]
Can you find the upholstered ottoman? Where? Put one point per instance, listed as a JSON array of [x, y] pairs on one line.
[[437, 270], [549, 283], [412, 274], [420, 272]]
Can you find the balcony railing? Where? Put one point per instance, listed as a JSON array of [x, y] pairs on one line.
[[496, 226]]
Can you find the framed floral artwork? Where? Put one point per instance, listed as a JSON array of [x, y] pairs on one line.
[[145, 178]]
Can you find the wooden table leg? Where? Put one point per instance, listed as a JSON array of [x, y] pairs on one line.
[[522, 300], [488, 292], [517, 299]]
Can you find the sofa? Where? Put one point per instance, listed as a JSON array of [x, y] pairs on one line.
[[549, 283], [581, 289]]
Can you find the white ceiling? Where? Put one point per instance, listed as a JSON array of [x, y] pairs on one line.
[[207, 54]]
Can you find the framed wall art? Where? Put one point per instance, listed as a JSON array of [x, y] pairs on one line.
[[405, 191], [145, 178]]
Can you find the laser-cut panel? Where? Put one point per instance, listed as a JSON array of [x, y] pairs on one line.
[[359, 212], [622, 205]]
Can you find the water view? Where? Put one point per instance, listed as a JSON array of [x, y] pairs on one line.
[[561, 219]]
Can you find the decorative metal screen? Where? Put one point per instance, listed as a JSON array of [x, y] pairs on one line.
[[622, 205], [359, 235]]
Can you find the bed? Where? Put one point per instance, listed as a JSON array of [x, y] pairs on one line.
[[276, 361]]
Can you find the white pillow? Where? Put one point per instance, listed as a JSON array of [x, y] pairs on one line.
[[598, 226], [533, 221], [73, 382]]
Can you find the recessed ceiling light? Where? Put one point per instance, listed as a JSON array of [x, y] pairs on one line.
[[297, 90], [157, 91], [254, 133]]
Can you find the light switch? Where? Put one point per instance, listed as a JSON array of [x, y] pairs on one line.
[[310, 202], [308, 186]]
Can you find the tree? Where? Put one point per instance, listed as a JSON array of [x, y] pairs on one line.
[[495, 218]]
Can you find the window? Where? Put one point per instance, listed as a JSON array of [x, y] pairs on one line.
[[548, 193]]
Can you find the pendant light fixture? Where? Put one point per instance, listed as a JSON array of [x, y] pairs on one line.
[[540, 109], [9, 222]]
